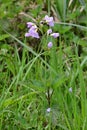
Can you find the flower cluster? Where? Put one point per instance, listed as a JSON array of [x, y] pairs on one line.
[[49, 20], [33, 29], [54, 35], [32, 32]]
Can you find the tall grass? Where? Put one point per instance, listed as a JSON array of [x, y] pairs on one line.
[[33, 81]]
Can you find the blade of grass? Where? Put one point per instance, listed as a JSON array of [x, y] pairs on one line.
[[73, 25]]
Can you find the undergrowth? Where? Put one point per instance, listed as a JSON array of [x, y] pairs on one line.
[[43, 87]]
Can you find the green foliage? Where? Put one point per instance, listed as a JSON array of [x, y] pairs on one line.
[[34, 77], [2, 37]]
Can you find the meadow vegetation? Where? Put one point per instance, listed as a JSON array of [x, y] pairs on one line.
[[43, 65]]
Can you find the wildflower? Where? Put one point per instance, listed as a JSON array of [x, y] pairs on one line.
[[49, 31], [30, 24], [32, 32], [48, 109], [49, 20], [50, 44], [27, 34], [70, 89], [55, 35], [34, 27]]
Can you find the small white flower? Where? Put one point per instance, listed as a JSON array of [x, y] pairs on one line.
[[48, 109], [30, 24], [70, 89]]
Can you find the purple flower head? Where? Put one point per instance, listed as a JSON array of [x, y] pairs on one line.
[[49, 20], [55, 35], [50, 44], [34, 27], [30, 24], [32, 32], [48, 109], [49, 31]]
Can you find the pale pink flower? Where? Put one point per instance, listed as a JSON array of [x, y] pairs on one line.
[[49, 31], [49, 20], [30, 24], [55, 35], [32, 32], [50, 44]]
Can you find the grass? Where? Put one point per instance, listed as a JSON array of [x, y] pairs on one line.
[[35, 78]]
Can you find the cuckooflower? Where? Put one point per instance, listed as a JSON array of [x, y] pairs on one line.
[[55, 35], [50, 44], [27, 34], [49, 20], [34, 27], [49, 31], [30, 24], [48, 109], [70, 89], [32, 32]]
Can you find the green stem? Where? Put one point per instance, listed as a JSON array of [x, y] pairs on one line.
[[49, 6]]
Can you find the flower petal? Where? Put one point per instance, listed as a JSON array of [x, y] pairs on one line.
[[50, 44], [30, 24], [49, 31], [49, 20], [27, 34], [55, 35]]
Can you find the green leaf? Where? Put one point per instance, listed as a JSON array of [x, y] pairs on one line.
[[61, 29], [2, 37]]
